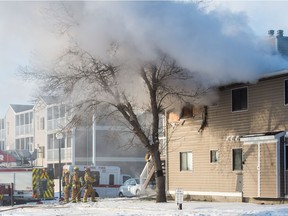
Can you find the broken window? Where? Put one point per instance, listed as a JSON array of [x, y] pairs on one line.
[[187, 111]]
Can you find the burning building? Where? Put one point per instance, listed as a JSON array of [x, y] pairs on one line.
[[242, 152]]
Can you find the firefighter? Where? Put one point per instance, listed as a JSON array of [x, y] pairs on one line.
[[147, 157], [66, 185], [1, 199], [76, 185], [89, 180]]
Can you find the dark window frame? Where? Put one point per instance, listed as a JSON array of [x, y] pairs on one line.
[[111, 179], [239, 98], [214, 156], [286, 92]]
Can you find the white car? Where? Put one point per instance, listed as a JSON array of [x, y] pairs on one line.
[[131, 187]]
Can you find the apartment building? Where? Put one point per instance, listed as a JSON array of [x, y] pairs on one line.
[[241, 152], [19, 128], [35, 128]]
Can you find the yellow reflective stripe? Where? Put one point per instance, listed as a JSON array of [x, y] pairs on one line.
[[35, 176], [39, 174], [48, 194]]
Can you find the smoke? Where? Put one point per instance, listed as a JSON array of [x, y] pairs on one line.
[[220, 47]]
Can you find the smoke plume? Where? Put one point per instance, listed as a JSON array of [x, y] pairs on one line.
[[220, 47]]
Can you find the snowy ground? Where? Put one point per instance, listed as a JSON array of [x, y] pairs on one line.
[[139, 207]]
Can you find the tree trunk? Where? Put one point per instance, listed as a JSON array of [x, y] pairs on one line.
[[159, 176]]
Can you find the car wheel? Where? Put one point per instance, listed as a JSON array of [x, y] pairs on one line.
[[137, 192], [121, 194]]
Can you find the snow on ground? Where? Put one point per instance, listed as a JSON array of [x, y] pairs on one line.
[[145, 207]]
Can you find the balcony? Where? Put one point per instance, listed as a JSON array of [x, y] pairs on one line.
[[53, 155]]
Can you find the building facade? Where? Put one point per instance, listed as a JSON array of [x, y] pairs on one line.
[[236, 149], [35, 128]]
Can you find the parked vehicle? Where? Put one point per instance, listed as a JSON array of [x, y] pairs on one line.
[[27, 183], [108, 179], [131, 187]]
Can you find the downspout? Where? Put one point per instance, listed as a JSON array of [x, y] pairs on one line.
[[166, 152], [278, 165], [285, 167], [258, 171]]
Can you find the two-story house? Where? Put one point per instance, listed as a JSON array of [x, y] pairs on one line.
[[240, 152]]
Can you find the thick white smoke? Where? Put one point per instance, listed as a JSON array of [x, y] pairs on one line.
[[221, 47]]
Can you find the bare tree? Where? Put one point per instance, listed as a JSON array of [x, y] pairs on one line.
[[89, 81]]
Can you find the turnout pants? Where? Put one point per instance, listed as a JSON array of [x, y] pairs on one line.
[[89, 192]]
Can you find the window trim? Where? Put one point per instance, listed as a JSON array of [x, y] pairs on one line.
[[180, 160], [241, 110]]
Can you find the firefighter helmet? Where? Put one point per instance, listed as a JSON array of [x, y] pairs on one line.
[[76, 168], [66, 172], [87, 169]]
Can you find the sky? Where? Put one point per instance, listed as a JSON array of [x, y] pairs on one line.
[[29, 36], [142, 207]]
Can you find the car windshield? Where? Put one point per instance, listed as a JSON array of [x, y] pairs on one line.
[[132, 182]]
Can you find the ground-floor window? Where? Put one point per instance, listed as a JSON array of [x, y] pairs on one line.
[[214, 156], [24, 143], [186, 161], [237, 159]]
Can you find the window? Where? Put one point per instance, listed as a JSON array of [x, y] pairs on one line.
[[111, 179], [286, 92], [22, 120], [69, 138], [97, 177], [50, 141], [239, 99], [17, 144], [237, 159], [49, 113], [187, 111], [186, 161], [17, 120], [62, 111], [27, 119], [31, 118], [7, 128], [56, 113], [42, 123], [214, 156]]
